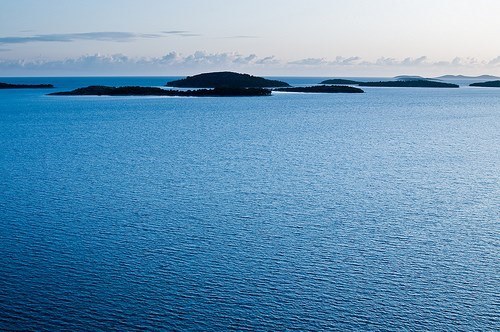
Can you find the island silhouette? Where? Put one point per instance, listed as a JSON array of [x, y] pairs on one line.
[[231, 84], [463, 77], [221, 84], [488, 84], [400, 83], [410, 84], [340, 81], [322, 89], [25, 86], [99, 90], [414, 78], [226, 79]]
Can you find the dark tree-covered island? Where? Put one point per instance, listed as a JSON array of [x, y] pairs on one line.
[[410, 84], [25, 86], [340, 81], [226, 79], [489, 84], [322, 89], [400, 83], [98, 90]]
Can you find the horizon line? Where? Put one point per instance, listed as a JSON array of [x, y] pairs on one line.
[[263, 75]]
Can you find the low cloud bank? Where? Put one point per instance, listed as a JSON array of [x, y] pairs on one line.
[[174, 63]]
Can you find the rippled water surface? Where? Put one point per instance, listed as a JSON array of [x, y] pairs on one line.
[[375, 211]]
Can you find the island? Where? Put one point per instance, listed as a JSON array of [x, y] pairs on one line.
[[489, 84], [226, 79], [409, 82], [463, 77], [322, 89], [340, 81], [25, 86], [413, 78], [99, 90]]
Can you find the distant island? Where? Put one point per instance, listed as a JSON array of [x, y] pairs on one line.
[[462, 77], [25, 86], [322, 89], [98, 90], [340, 81], [411, 83], [226, 79], [413, 78], [489, 84]]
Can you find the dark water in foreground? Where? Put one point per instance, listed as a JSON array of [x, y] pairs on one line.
[[378, 211]]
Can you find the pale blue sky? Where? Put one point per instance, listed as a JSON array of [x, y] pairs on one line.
[[316, 37]]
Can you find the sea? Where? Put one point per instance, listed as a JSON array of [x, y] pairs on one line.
[[310, 212]]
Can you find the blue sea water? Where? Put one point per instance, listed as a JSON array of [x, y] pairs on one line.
[[375, 211]]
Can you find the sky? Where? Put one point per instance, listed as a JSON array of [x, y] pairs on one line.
[[344, 38]]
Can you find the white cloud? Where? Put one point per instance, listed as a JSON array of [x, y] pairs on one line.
[[383, 61], [245, 60], [181, 33], [495, 61], [309, 62], [413, 62], [173, 63], [171, 57], [117, 36], [169, 64], [339, 60], [268, 60]]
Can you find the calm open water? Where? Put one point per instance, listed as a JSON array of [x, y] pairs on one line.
[[375, 211]]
